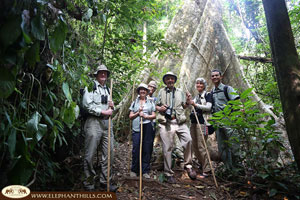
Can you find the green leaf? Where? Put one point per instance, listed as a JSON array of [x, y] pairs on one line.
[[37, 28], [41, 132], [7, 82], [161, 178], [33, 123], [10, 31], [272, 192], [246, 93], [12, 142], [58, 37], [66, 90], [33, 54], [21, 172], [48, 119], [55, 112], [87, 15], [69, 115], [53, 137], [264, 176]]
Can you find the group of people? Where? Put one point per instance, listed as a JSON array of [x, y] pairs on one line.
[[168, 111]]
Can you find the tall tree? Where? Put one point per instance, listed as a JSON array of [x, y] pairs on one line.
[[287, 68]]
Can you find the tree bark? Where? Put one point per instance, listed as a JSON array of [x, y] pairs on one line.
[[287, 68]]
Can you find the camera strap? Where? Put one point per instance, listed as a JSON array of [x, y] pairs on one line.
[[173, 96]]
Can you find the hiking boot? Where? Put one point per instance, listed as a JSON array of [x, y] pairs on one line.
[[191, 172], [132, 174], [171, 179], [112, 188], [146, 175]]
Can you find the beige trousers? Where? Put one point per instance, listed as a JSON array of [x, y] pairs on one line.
[[167, 132], [96, 135], [199, 146]]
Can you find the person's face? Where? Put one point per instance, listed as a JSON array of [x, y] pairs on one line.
[[170, 81], [102, 76], [142, 92], [216, 78], [200, 86], [151, 90]]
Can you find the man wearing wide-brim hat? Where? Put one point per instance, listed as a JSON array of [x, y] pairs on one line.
[[99, 108], [170, 105]]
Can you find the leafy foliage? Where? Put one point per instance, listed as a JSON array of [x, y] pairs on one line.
[[47, 49], [259, 145]]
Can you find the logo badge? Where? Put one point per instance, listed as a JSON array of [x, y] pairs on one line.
[[16, 191]]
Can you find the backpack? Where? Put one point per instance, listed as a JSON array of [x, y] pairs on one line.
[[225, 93]]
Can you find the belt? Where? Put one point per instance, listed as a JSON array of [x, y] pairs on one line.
[[99, 117]]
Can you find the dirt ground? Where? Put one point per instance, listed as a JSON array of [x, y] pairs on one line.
[[156, 187]]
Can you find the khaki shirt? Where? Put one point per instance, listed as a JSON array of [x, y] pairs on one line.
[[176, 100], [91, 101], [219, 98]]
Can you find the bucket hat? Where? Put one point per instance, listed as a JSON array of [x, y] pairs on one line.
[[142, 85], [152, 84], [169, 74], [102, 67]]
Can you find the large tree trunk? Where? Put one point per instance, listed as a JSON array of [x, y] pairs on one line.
[[287, 67], [197, 29]]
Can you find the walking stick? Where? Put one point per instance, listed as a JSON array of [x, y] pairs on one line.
[[130, 134], [108, 146], [206, 149], [141, 149]]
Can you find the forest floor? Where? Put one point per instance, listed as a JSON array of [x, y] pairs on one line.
[[157, 188]]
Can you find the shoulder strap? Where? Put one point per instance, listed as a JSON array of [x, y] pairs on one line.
[[226, 92], [107, 90], [94, 87]]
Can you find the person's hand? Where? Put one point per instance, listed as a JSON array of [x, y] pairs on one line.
[[142, 114], [163, 108], [189, 100], [110, 104], [107, 112], [188, 95]]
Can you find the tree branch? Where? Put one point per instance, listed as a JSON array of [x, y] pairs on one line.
[[256, 59]]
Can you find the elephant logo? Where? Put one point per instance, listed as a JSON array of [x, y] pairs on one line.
[[15, 191]]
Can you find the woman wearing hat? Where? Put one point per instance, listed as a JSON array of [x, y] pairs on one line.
[[142, 108], [202, 103]]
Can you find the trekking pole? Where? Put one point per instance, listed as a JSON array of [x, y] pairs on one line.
[[108, 146], [130, 133], [204, 141], [141, 150]]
